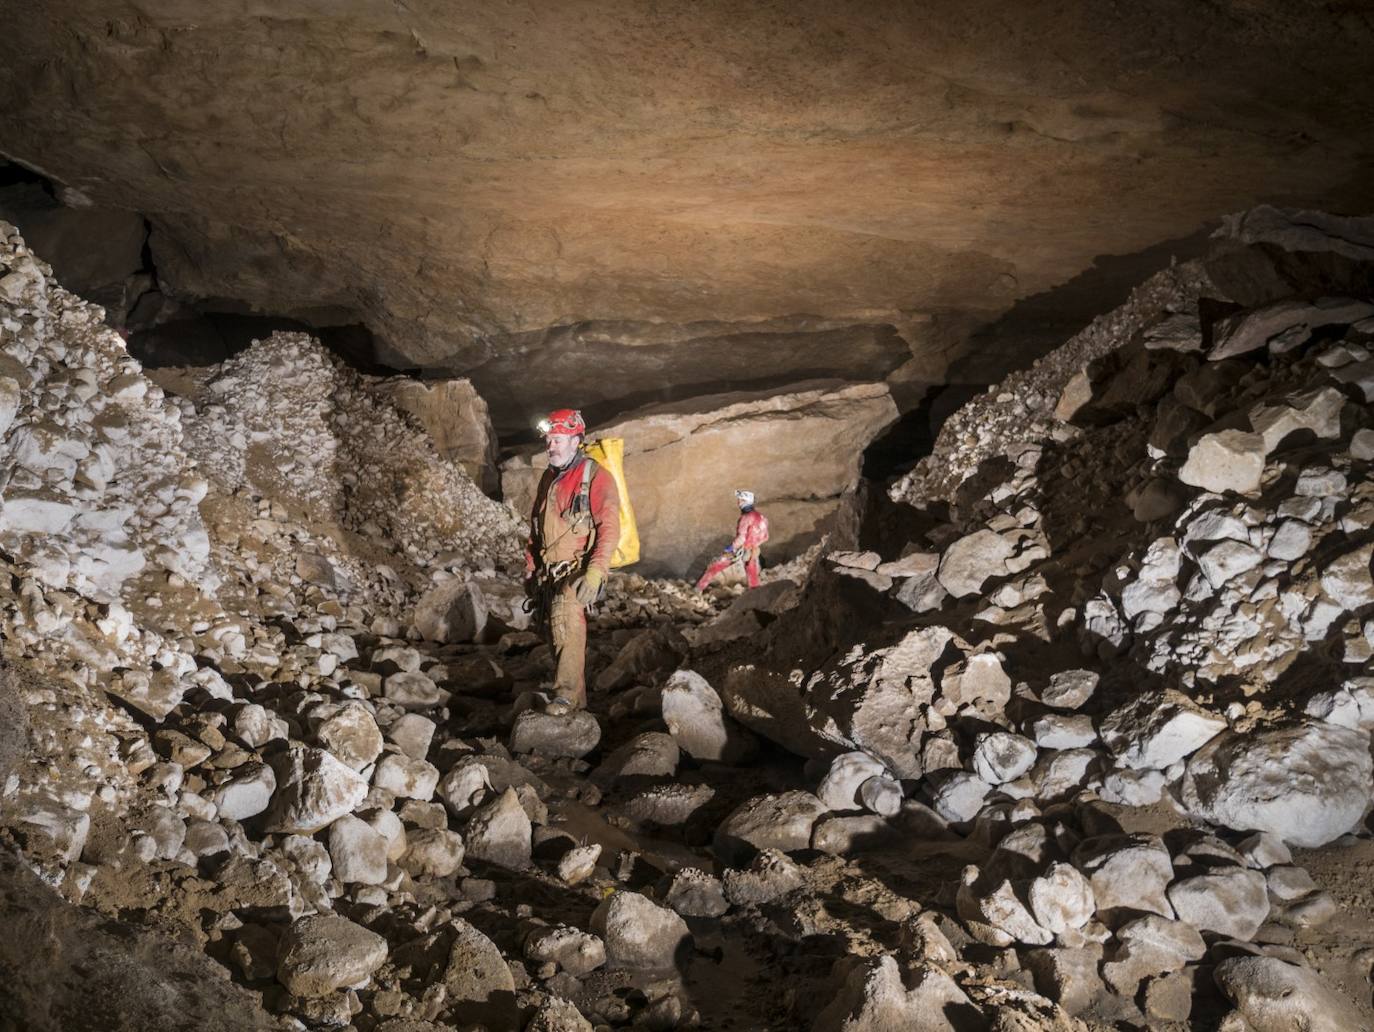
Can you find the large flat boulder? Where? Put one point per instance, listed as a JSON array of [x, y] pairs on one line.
[[799, 451]]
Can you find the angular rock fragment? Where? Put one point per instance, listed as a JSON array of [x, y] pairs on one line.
[[973, 560], [875, 996], [1127, 872], [638, 933], [1158, 728], [323, 953], [576, 952], [781, 822], [500, 833], [358, 852], [1228, 460], [313, 790]]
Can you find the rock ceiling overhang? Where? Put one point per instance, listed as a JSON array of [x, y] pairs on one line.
[[682, 189]]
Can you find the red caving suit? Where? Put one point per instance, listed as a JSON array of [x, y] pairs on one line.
[[750, 533]]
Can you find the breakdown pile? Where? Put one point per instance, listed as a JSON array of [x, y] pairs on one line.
[[1083, 745]]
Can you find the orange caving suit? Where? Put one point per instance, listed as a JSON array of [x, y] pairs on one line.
[[750, 533], [562, 546]]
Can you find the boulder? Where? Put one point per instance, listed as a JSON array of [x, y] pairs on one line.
[[839, 789], [457, 420], [1228, 460], [349, 731], [432, 852], [453, 611], [358, 852], [1001, 756], [1231, 901], [500, 833], [1128, 873], [1157, 728], [313, 790], [1293, 319], [1149, 946], [874, 996], [476, 971], [322, 953], [973, 560], [781, 822], [247, 793], [406, 777], [697, 721], [638, 933], [1314, 414], [572, 735], [1274, 996], [678, 455], [1069, 689], [649, 754], [1307, 784]]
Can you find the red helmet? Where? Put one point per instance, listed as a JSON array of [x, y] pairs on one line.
[[563, 421]]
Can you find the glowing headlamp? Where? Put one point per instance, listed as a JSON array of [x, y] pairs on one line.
[[544, 426]]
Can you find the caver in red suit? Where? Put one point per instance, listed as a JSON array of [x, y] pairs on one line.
[[751, 531]]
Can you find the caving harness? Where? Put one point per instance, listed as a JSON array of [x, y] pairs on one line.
[[549, 579]]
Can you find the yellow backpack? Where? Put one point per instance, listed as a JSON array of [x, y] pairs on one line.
[[609, 453]]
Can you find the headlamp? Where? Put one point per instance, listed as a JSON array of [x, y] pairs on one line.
[[544, 426]]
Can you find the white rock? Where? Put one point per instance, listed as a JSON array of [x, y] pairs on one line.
[[313, 790], [1229, 460], [1063, 731], [349, 731], [1227, 560], [464, 786], [412, 733], [881, 795], [839, 789], [1273, 996], [959, 797], [992, 901], [247, 794], [1308, 783], [406, 777], [1347, 580], [1318, 412], [1291, 540], [970, 562], [697, 720], [1127, 872], [1061, 899], [638, 933], [358, 852], [1000, 756], [1158, 728], [1263, 849], [1232, 901], [413, 690], [500, 833], [1069, 689]]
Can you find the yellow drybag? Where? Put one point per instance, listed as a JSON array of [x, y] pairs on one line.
[[609, 453]]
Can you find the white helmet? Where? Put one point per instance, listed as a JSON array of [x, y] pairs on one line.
[[744, 498]]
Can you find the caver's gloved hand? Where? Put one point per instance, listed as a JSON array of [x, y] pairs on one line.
[[588, 586]]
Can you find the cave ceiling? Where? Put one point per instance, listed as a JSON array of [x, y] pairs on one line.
[[623, 200]]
